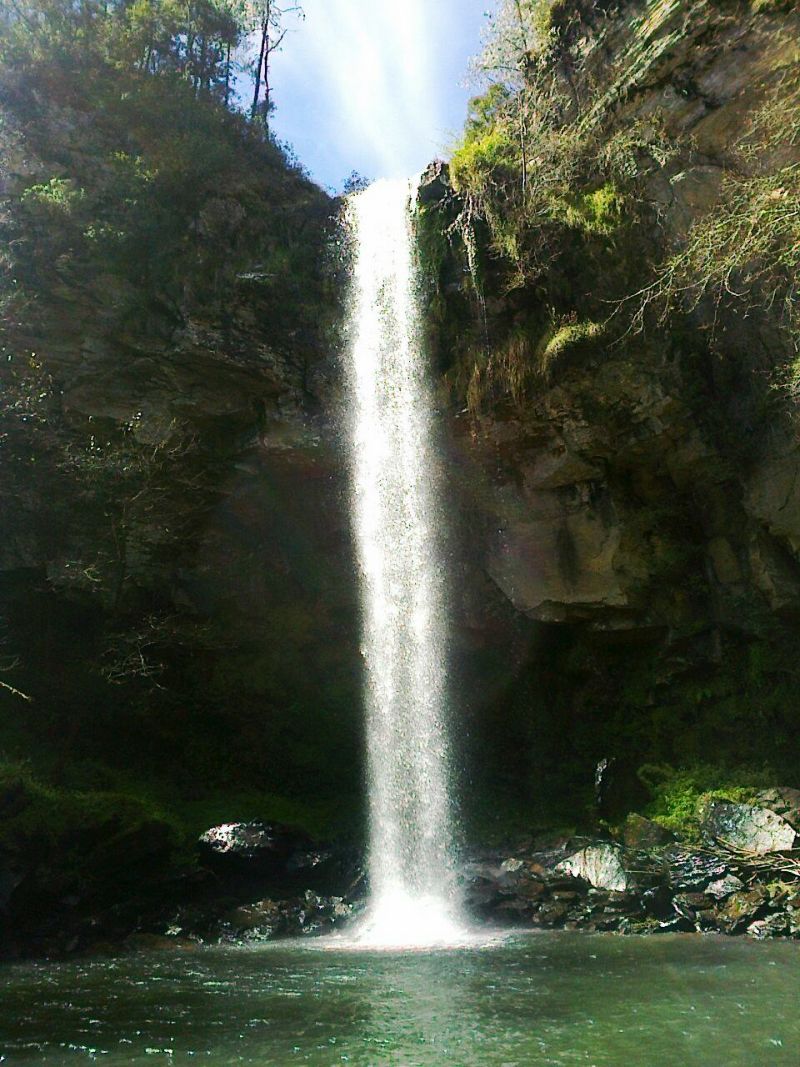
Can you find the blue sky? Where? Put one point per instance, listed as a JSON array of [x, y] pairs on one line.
[[377, 86]]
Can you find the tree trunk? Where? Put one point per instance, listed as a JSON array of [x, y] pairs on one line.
[[202, 77], [261, 56], [189, 65], [228, 75], [267, 51]]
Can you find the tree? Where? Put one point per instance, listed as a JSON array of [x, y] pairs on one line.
[[355, 183], [269, 19]]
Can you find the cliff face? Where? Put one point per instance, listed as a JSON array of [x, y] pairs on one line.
[[627, 428], [176, 588]]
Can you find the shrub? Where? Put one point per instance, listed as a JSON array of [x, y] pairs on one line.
[[678, 794]]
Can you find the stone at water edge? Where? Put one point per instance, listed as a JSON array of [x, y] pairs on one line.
[[747, 827], [262, 914], [511, 866], [724, 887], [773, 926], [741, 909], [600, 866], [689, 870]]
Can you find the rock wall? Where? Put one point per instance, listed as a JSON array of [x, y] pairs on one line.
[[176, 583], [634, 496]]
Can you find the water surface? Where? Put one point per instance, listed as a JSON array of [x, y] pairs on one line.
[[544, 998]]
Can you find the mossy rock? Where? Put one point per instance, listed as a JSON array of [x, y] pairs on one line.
[[92, 846]]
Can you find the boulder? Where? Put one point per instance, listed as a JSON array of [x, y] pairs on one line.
[[434, 185], [692, 871], [747, 827], [264, 915], [600, 865], [784, 801], [742, 909], [723, 887], [639, 832], [268, 919], [251, 847], [511, 866], [776, 925]]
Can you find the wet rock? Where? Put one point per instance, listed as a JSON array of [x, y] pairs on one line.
[[533, 890], [678, 924], [255, 846], [696, 907], [144, 942], [642, 833], [671, 888], [747, 827], [657, 902], [784, 801], [688, 871], [552, 913], [599, 865], [328, 870], [307, 860], [511, 866], [482, 895], [724, 887], [513, 908], [741, 909], [265, 920], [776, 925], [265, 915]]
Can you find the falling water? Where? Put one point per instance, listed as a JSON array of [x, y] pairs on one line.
[[395, 501]]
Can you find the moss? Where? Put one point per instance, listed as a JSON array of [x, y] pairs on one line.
[[680, 794], [765, 7], [58, 196], [431, 241], [599, 212], [565, 338], [96, 840], [474, 164]]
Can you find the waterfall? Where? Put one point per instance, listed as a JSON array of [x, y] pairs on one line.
[[395, 506]]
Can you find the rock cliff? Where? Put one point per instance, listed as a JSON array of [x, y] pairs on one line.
[[619, 364]]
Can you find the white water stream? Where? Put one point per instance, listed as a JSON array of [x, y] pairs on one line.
[[395, 502]]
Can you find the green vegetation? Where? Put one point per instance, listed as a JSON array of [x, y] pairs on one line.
[[82, 841], [528, 356], [145, 180], [679, 795], [747, 248], [564, 185], [162, 292]]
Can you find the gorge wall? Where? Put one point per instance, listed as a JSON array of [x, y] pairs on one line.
[[615, 322]]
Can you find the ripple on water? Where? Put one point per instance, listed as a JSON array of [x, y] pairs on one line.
[[549, 998]]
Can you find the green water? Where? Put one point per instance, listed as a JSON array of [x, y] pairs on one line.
[[544, 998]]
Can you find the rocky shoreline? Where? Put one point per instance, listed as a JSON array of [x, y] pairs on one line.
[[741, 876], [256, 882]]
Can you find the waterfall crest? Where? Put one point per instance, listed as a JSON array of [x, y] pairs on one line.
[[395, 497]]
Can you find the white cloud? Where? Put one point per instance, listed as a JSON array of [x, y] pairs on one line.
[[374, 85]]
